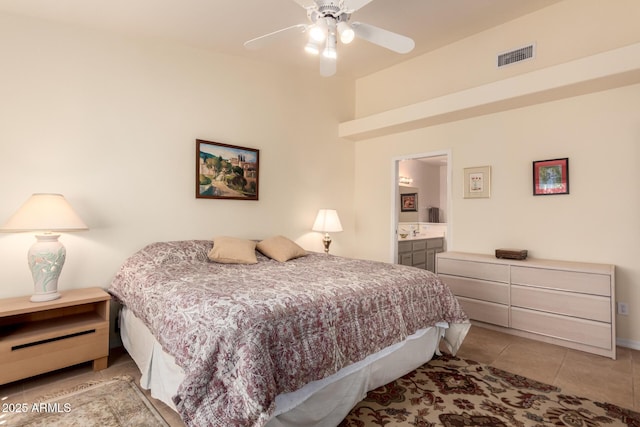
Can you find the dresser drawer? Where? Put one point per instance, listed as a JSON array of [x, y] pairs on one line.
[[581, 331], [487, 312], [588, 283], [591, 307], [478, 289], [476, 270]]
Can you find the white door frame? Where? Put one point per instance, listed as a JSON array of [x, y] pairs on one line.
[[395, 194]]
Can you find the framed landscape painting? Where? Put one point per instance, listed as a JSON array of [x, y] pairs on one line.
[[226, 171]]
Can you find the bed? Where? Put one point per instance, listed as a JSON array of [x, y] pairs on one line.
[[282, 341]]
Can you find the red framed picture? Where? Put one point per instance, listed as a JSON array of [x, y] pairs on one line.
[[551, 177]]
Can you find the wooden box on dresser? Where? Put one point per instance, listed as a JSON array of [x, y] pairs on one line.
[[38, 337], [571, 304]]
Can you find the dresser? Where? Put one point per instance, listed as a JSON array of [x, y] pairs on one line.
[[571, 304], [420, 253]]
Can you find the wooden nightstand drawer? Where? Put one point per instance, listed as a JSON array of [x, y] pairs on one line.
[[41, 337]]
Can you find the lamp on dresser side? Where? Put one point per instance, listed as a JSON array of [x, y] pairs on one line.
[[327, 221], [45, 213]]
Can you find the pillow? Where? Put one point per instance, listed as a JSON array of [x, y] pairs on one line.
[[280, 248], [231, 250]]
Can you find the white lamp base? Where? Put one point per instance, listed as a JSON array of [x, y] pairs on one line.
[[46, 258], [40, 297]]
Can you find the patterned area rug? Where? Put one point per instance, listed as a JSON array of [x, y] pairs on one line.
[[112, 403], [453, 392]]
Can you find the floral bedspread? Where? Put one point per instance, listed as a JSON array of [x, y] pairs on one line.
[[245, 333]]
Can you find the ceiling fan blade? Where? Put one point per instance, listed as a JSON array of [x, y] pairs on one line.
[[353, 5], [387, 39], [306, 3], [258, 42], [327, 66]]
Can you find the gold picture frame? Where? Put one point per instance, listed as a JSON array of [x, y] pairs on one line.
[[477, 182]]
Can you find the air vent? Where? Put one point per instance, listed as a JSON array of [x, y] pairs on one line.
[[517, 55]]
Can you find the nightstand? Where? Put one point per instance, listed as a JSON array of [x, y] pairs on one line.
[[38, 337]]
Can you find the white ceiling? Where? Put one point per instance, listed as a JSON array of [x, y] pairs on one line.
[[224, 25]]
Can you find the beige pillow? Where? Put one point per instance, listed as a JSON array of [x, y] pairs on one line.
[[231, 250], [280, 248]]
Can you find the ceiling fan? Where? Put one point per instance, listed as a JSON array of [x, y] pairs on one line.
[[328, 21]]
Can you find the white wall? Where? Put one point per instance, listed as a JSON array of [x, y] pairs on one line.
[[111, 123], [563, 32], [598, 222]]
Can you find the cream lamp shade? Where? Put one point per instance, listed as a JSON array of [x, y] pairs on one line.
[[327, 221], [45, 213]]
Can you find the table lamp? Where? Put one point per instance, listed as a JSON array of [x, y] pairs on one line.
[[327, 222], [45, 213]]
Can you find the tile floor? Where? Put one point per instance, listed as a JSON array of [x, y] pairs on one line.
[[575, 372], [594, 377]]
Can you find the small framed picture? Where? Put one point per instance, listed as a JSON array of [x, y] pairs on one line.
[[551, 177], [477, 182], [226, 171], [409, 202]]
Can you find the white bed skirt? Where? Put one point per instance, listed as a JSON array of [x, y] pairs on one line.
[[322, 403]]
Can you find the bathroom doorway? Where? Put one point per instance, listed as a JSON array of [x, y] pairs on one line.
[[422, 198]]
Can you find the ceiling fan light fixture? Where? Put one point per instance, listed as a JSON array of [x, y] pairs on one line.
[[330, 48], [346, 32], [330, 53], [318, 31], [312, 47], [330, 19]]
